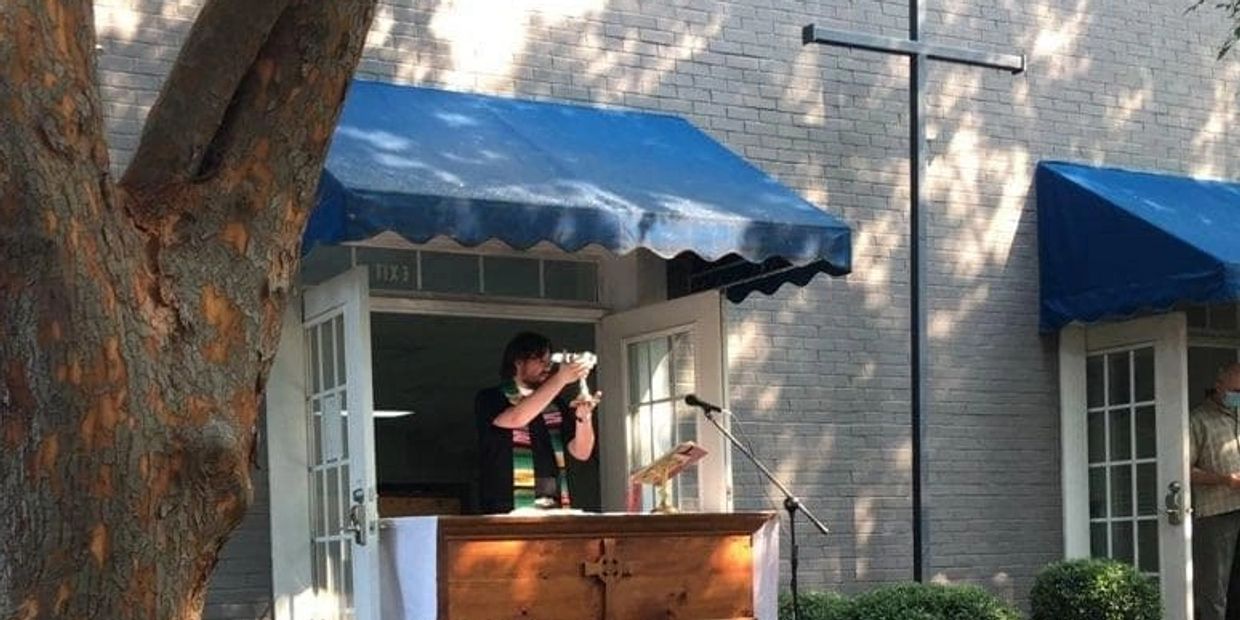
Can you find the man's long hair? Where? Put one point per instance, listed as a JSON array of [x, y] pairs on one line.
[[523, 346]]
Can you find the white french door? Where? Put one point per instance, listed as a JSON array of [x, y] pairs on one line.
[[650, 358], [1124, 415], [344, 515]]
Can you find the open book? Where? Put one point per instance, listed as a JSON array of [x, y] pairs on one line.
[[662, 470]]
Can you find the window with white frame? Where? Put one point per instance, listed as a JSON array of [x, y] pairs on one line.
[[1123, 468], [660, 375]]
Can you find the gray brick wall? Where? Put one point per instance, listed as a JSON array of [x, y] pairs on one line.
[[820, 374], [240, 587]]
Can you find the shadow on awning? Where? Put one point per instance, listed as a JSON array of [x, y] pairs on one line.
[[1114, 243], [424, 163]]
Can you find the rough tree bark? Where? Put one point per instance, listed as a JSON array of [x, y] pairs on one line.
[[138, 319]]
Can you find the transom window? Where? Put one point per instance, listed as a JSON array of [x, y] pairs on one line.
[[1215, 318], [404, 271]]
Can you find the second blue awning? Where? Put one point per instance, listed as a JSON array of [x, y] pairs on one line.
[[424, 163], [1114, 243]]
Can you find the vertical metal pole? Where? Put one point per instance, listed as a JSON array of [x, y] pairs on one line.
[[917, 287]]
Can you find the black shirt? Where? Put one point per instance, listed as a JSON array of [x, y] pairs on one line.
[[495, 451]]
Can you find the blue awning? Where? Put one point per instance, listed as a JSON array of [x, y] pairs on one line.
[[1114, 243], [422, 163]]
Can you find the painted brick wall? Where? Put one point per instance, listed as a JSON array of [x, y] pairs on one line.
[[240, 587], [820, 374]]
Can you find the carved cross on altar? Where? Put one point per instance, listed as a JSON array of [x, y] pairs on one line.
[[609, 569]]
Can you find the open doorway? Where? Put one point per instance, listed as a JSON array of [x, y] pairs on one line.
[[427, 369], [1205, 360]]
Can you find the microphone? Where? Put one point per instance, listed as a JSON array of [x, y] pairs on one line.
[[693, 401]]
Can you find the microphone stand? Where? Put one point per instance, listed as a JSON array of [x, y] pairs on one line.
[[792, 503]]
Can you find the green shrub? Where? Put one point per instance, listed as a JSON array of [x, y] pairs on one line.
[[930, 602], [815, 606], [1093, 590], [903, 602]]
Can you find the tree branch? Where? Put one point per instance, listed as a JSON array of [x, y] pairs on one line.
[[48, 98], [255, 186], [283, 115], [221, 48], [293, 94], [1232, 10]]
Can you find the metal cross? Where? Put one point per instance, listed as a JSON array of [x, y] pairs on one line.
[[609, 570], [919, 54]]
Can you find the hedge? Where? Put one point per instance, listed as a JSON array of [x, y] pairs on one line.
[[1094, 590], [904, 602]]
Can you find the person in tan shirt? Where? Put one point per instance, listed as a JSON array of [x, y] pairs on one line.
[[1215, 456]]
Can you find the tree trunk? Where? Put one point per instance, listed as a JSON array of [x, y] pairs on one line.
[[138, 319]]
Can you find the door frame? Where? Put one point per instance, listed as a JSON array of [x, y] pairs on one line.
[[287, 436], [710, 360], [1168, 333]]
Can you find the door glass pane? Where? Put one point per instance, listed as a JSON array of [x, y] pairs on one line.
[[333, 501], [341, 375], [664, 423], [1147, 546], [1147, 441], [312, 340], [687, 486], [1098, 540], [344, 424], [639, 373], [320, 566], [1121, 435], [346, 570], [333, 448], [661, 371], [659, 376], [1122, 446], [1097, 492], [316, 441], [1121, 541], [1121, 491], [1147, 489], [333, 569], [317, 521], [1097, 436], [327, 339], [1095, 388], [682, 364], [1118, 390], [1143, 374]]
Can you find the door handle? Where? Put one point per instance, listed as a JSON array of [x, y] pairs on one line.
[[359, 521], [1174, 503]]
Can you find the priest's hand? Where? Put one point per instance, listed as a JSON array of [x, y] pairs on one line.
[[584, 406], [582, 444], [570, 373]]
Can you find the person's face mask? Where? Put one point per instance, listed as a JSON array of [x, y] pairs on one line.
[[1231, 399]]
